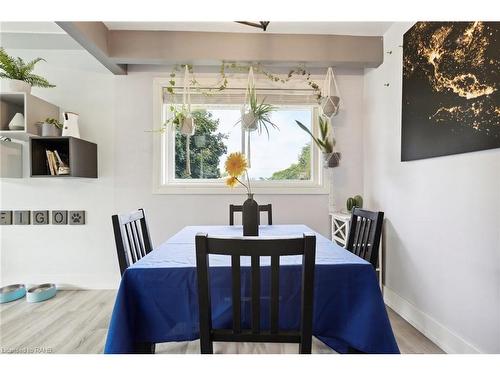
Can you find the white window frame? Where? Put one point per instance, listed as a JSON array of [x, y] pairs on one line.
[[164, 161]]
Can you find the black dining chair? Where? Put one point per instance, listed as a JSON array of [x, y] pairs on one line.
[[131, 237], [365, 230], [262, 208], [255, 248]]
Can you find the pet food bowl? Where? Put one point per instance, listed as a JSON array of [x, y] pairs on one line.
[[41, 292], [12, 292]]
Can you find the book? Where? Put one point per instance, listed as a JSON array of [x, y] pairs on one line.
[[62, 168], [49, 162]]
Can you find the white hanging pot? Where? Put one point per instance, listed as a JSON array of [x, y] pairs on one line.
[[15, 85], [248, 121], [330, 103], [188, 126], [330, 106]]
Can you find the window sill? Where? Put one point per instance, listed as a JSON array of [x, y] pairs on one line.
[[211, 189]]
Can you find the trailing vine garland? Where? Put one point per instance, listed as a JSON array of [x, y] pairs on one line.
[[222, 82]]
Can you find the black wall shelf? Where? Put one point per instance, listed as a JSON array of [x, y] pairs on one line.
[[78, 154]]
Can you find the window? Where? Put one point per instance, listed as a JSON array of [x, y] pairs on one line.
[[285, 162]]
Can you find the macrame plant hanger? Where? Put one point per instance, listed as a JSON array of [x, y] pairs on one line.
[[188, 125], [248, 121], [331, 95]]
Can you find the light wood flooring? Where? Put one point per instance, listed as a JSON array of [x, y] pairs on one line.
[[77, 322]]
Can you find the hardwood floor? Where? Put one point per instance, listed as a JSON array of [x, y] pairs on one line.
[[77, 322]]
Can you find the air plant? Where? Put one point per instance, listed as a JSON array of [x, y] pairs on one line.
[[261, 112], [323, 141]]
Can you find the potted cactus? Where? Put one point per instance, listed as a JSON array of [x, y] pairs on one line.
[[352, 202]]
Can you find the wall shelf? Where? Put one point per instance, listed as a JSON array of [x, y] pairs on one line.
[[33, 108], [11, 159], [78, 154]]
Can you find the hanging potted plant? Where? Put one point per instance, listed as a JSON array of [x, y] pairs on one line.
[[184, 118], [255, 115], [331, 159], [330, 102], [17, 75]]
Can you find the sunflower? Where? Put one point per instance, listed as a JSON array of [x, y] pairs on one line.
[[236, 164], [231, 182]]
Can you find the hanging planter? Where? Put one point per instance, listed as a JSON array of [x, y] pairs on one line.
[[248, 118], [331, 99], [187, 125], [325, 143], [332, 159]]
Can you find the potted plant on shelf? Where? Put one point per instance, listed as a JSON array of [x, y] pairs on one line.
[[51, 128], [236, 165], [330, 158], [17, 74]]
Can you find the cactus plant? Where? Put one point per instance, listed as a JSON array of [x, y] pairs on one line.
[[352, 202], [359, 201]]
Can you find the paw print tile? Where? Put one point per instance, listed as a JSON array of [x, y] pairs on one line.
[[76, 217]]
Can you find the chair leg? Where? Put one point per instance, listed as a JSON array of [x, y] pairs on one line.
[[145, 348], [207, 346], [305, 346]]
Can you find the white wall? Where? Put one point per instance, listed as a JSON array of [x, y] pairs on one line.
[[116, 113], [80, 256], [442, 231]]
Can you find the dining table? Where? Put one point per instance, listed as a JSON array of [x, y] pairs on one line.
[[157, 300]]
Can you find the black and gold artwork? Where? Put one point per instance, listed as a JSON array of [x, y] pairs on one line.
[[451, 83]]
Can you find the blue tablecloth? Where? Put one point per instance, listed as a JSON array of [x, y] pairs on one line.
[[158, 300]]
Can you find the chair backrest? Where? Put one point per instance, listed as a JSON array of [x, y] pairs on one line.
[[255, 247], [365, 230], [262, 208], [131, 237]]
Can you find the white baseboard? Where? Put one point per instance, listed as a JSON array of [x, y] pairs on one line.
[[443, 337]]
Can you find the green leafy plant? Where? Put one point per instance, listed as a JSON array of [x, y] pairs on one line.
[[17, 68], [323, 141], [261, 111], [53, 121]]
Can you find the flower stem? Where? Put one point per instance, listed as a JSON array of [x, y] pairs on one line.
[[248, 182], [248, 190]]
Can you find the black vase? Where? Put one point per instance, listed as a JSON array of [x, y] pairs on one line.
[[250, 217]]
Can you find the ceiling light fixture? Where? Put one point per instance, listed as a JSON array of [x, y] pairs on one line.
[[260, 25]]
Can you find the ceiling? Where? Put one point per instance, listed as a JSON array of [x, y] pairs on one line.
[[332, 28]]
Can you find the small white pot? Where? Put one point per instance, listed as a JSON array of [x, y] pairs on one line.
[[249, 122], [187, 126], [15, 85]]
